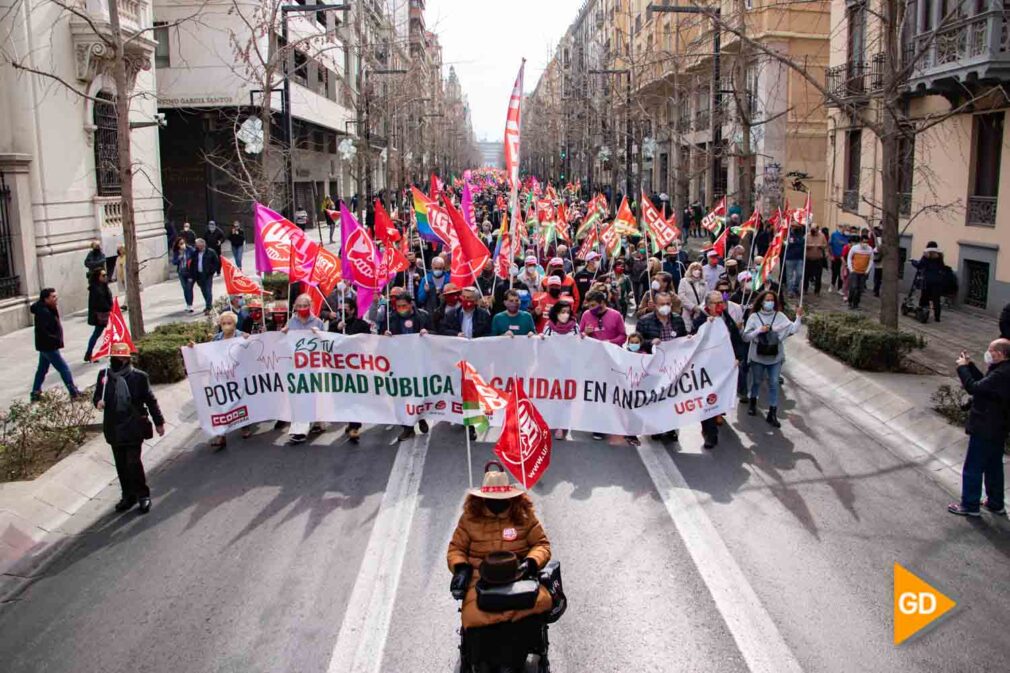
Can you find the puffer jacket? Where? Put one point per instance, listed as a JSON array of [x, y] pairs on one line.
[[476, 537]]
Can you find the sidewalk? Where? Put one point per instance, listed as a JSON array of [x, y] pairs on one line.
[[959, 329]]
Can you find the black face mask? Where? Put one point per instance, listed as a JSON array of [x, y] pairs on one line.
[[118, 363], [497, 506], [554, 292]]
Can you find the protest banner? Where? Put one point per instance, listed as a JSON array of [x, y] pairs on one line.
[[581, 384]]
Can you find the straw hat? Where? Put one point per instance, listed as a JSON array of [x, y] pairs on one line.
[[119, 350], [496, 485]]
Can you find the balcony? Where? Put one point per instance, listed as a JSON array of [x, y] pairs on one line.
[[854, 81], [969, 49]]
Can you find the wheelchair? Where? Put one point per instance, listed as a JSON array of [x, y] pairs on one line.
[[529, 634]]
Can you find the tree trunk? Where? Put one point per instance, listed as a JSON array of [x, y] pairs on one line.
[[123, 92], [890, 160]]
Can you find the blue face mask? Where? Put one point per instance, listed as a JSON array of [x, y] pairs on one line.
[[768, 306], [437, 273], [634, 347]]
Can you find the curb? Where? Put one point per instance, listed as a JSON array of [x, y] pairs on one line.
[[912, 433], [39, 518]]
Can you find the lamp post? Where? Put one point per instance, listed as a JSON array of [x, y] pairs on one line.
[[289, 177]]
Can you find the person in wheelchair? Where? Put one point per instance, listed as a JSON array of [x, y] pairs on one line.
[[498, 542]]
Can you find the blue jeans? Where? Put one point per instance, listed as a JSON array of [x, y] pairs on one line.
[[757, 372], [206, 288], [53, 358], [94, 338], [984, 461], [187, 290], [794, 275], [237, 254]]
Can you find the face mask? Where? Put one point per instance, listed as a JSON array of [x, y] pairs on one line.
[[303, 312], [599, 311], [437, 273], [512, 306], [468, 305], [768, 306], [403, 312], [718, 309], [655, 285], [665, 310], [988, 358], [118, 363], [634, 347], [619, 270], [731, 272], [451, 300], [725, 296], [559, 274], [256, 315], [554, 291], [513, 271], [497, 506], [696, 274], [564, 317], [418, 265]]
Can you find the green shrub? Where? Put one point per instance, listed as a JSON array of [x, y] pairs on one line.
[[35, 436], [277, 283], [860, 341], [159, 354]]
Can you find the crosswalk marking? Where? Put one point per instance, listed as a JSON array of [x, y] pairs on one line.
[[753, 630]]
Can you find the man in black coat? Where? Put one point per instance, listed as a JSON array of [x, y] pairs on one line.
[[663, 324], [48, 342], [469, 319], [214, 237], [125, 397], [988, 427], [407, 319], [202, 266]]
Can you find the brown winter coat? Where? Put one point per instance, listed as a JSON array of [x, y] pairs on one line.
[[476, 536]]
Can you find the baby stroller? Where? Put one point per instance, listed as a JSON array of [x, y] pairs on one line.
[[910, 305]]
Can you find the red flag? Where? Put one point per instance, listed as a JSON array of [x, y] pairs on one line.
[[561, 226], [513, 124], [624, 214], [713, 220], [587, 244], [384, 229], [435, 189], [525, 443], [326, 271], [236, 282], [318, 299], [656, 225], [469, 254], [116, 332], [720, 244]]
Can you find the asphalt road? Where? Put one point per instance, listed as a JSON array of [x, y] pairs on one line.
[[773, 552]]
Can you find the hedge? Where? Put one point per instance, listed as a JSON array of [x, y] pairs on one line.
[[34, 436], [860, 341], [158, 353], [276, 283]]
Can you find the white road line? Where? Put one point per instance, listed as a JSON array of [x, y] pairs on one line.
[[756, 635], [362, 639]]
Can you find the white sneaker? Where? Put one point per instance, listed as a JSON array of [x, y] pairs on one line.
[[189, 309]]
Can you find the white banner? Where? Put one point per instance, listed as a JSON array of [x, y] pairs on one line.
[[577, 384]]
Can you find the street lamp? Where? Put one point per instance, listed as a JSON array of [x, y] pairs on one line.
[[289, 177]]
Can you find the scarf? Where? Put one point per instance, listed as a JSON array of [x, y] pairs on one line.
[[122, 391], [564, 328]]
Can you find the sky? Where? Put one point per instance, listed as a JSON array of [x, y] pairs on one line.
[[486, 42]]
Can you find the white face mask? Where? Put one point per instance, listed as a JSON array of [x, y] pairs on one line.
[[564, 317], [665, 309], [655, 285], [988, 358]]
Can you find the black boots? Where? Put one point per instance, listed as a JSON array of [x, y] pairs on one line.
[[773, 418], [752, 409]]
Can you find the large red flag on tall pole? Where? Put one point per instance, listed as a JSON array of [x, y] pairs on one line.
[[469, 254], [525, 442], [512, 126]]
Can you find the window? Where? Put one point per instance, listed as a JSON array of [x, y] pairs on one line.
[[853, 154], [856, 47], [106, 145], [987, 141], [301, 69], [161, 55]]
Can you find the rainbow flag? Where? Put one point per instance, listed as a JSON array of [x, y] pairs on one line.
[[424, 229]]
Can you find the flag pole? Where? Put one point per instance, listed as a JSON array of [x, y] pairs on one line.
[[522, 458], [466, 431], [806, 232]]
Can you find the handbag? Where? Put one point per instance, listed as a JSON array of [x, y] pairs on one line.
[[550, 579], [765, 346], [518, 595]]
